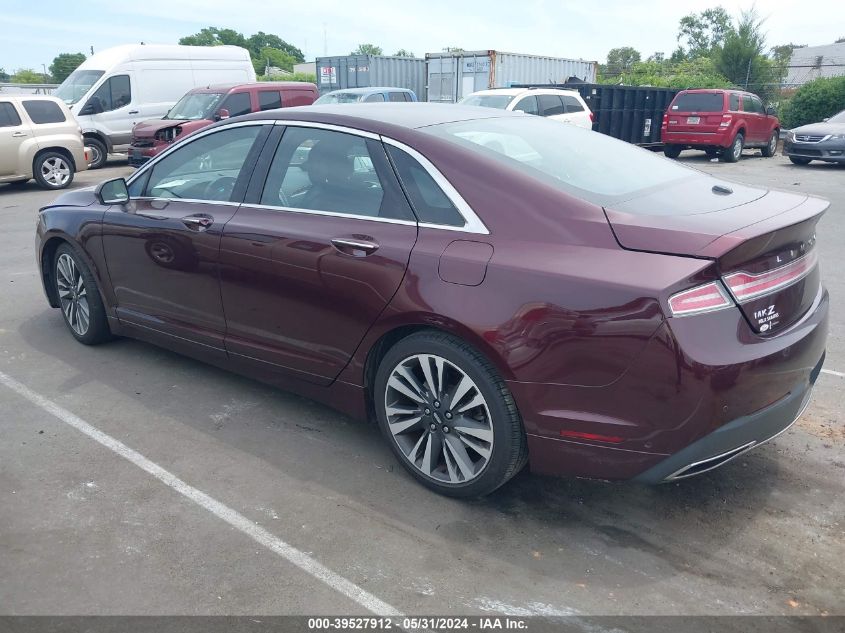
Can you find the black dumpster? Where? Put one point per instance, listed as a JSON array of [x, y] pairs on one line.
[[630, 113]]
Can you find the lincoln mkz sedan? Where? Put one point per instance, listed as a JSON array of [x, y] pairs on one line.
[[494, 288]]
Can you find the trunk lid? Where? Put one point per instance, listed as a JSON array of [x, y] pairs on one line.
[[762, 242]]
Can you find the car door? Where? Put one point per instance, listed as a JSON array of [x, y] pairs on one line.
[[14, 133], [752, 134], [114, 109], [315, 253], [527, 104], [551, 107], [575, 112], [162, 248]]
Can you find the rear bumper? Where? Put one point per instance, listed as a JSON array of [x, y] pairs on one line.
[[830, 152], [698, 139]]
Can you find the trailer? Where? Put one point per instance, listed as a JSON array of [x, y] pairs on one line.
[[369, 71]]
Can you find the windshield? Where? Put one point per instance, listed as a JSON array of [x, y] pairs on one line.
[[837, 118], [586, 164], [195, 106], [338, 97], [488, 101], [77, 84]]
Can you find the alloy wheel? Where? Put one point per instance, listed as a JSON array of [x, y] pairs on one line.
[[55, 171], [773, 143], [96, 156], [439, 418], [72, 294], [737, 148]]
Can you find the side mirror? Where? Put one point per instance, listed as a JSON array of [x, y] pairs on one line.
[[87, 109], [112, 192], [770, 111], [222, 113]]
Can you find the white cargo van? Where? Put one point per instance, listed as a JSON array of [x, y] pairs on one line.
[[118, 87]]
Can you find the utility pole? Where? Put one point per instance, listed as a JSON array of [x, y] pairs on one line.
[[748, 72]]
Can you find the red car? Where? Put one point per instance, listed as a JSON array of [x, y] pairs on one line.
[[720, 122], [493, 288], [203, 106]]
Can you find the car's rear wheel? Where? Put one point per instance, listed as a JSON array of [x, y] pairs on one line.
[[448, 416], [734, 152], [53, 170], [99, 153], [712, 153], [772, 146], [81, 304], [800, 161], [672, 151]]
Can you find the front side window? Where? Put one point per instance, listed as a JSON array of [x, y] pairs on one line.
[[430, 203], [269, 99], [204, 169], [527, 105], [195, 106], [41, 111], [747, 103], [757, 105], [8, 115], [323, 170], [374, 98], [550, 105], [398, 96], [237, 104], [115, 93]]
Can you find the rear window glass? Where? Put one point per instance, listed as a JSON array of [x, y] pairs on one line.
[[8, 115], [588, 165], [488, 101], [44, 111], [430, 203], [699, 102], [269, 100]]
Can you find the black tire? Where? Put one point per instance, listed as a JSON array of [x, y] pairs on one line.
[[712, 153], [53, 170], [509, 452], [97, 330], [772, 146], [101, 152], [733, 153], [800, 161], [672, 151]]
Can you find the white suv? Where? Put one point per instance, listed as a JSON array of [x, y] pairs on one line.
[[39, 138], [561, 105]]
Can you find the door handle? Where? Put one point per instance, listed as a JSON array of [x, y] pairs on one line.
[[198, 222], [133, 112], [18, 134], [358, 247]]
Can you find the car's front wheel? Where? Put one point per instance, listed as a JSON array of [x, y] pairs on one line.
[[99, 153], [800, 161], [672, 151], [771, 147], [53, 170], [734, 152], [81, 304], [448, 416]]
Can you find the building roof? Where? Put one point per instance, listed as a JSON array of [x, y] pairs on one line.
[[812, 62]]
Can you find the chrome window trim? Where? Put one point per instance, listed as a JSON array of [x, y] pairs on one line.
[[154, 198], [152, 162], [473, 222], [329, 126], [332, 214]]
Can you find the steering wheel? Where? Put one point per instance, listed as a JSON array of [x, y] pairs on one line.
[[220, 189]]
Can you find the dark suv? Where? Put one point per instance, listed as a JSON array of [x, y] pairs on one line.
[[720, 122], [203, 106]]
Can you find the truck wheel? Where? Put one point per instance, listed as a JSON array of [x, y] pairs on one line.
[[672, 151], [734, 152], [772, 146], [99, 153]]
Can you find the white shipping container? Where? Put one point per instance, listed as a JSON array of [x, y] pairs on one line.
[[452, 76]]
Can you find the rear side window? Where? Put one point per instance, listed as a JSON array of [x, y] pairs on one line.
[[430, 203], [734, 103], [572, 104], [374, 97], [527, 105], [269, 100], [699, 102], [397, 96], [44, 111], [237, 104], [8, 115], [550, 105]]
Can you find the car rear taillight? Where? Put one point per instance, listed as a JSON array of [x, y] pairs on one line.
[[665, 119], [747, 286], [711, 296], [592, 118], [726, 120]]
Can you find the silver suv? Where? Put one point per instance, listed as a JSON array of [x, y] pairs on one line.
[[39, 138]]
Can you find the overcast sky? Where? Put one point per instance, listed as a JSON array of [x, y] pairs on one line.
[[33, 33]]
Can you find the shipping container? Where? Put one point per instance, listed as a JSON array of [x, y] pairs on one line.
[[452, 76], [629, 113], [367, 71]]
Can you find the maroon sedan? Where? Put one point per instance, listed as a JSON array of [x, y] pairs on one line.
[[495, 288]]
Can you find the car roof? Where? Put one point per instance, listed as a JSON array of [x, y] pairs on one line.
[[253, 84], [370, 90], [19, 97], [521, 91]]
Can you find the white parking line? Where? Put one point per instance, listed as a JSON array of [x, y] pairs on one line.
[[833, 373], [218, 509]]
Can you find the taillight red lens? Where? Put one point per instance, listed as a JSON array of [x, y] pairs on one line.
[[747, 286], [726, 120], [700, 299]]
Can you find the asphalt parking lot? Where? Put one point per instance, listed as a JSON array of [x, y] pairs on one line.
[[84, 530]]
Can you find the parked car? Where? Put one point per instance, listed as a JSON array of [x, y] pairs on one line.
[[203, 106], [367, 95], [39, 138], [720, 122], [116, 88], [566, 106], [823, 141], [573, 302]]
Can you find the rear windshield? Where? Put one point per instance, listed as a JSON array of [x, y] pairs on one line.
[[488, 101], [699, 102], [44, 111], [339, 97], [580, 162]]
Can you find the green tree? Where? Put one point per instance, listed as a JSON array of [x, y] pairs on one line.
[[814, 101], [402, 52], [781, 56], [272, 57], [740, 57], [620, 60], [656, 57], [367, 49], [695, 73], [261, 40], [703, 32], [4, 76], [64, 64], [27, 76], [214, 36]]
